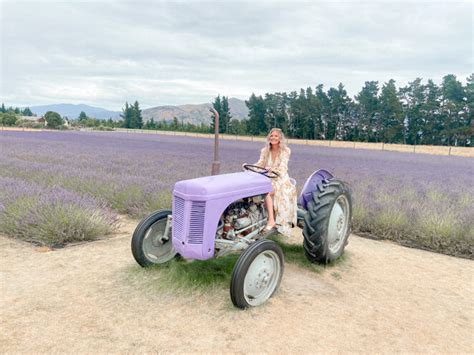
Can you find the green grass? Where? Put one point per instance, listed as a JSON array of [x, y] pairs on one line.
[[199, 275]]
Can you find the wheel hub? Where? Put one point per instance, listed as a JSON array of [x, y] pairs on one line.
[[340, 224], [262, 279]]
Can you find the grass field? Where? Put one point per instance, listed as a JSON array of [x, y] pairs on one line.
[[58, 187]]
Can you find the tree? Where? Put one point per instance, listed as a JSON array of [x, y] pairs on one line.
[[127, 116], [256, 122], [469, 89], [432, 119], [175, 124], [222, 108], [339, 123], [150, 124], [27, 112], [322, 116], [8, 118], [225, 115], [53, 119], [391, 115], [3, 109], [453, 110], [82, 116], [136, 119], [368, 105], [413, 97]]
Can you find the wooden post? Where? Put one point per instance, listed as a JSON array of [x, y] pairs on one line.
[[216, 163]]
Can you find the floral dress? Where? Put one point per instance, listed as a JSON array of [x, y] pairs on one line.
[[284, 198]]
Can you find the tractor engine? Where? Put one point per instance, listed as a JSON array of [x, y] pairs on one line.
[[242, 217]]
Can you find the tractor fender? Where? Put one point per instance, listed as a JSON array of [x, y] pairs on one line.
[[311, 185]]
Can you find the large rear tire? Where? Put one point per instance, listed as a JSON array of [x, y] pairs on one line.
[[149, 244], [257, 274], [327, 223]]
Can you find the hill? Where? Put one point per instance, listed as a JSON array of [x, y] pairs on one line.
[[196, 114], [72, 111], [190, 113]]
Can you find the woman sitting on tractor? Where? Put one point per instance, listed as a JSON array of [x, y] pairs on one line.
[[281, 202]]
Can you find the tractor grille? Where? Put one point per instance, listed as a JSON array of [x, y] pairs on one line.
[[178, 217], [196, 225]]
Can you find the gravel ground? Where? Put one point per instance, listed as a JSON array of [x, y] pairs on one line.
[[93, 298]]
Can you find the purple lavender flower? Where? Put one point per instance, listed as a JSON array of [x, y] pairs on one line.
[[425, 200]]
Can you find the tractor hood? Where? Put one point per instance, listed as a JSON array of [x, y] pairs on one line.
[[221, 186]]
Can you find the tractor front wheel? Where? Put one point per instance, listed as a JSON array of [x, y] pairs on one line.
[[151, 241], [257, 274], [327, 223]]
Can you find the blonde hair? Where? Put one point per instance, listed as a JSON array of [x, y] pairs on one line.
[[282, 145]]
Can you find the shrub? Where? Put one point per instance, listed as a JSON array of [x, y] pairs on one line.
[[8, 119], [51, 217], [53, 119], [103, 128], [29, 124]]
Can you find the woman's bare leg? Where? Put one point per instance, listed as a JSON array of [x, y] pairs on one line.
[[269, 206]]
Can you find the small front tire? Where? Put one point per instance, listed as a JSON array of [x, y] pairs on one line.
[[257, 274], [150, 245]]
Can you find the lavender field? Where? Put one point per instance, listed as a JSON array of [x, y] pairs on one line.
[[58, 187]]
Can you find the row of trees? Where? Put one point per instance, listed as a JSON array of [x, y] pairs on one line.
[[415, 114], [419, 113], [15, 110]]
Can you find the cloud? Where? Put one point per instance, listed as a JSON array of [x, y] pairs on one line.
[[188, 52]]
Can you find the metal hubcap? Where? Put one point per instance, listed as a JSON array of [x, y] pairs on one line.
[[262, 277], [156, 246], [338, 223]]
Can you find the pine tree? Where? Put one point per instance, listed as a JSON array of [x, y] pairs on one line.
[[137, 118], [391, 114], [432, 119], [452, 105], [469, 89], [256, 122], [223, 109], [224, 115], [368, 106], [322, 116], [127, 116], [27, 112], [413, 98], [82, 116]]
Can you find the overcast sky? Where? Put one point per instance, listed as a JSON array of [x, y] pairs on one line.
[[104, 53]]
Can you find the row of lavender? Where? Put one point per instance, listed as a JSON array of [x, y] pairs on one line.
[[66, 182]]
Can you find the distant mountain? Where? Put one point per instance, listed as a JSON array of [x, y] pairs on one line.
[[238, 108], [187, 113], [195, 114], [72, 111]]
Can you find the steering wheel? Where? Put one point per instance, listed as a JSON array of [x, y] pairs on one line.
[[259, 170]]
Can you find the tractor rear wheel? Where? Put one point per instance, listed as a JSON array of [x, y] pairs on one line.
[[327, 223], [257, 274], [151, 243]]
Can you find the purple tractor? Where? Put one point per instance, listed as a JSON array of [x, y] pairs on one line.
[[217, 215]]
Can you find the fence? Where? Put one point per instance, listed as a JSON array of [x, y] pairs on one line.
[[420, 149]]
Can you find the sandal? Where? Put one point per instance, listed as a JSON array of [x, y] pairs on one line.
[[268, 230]]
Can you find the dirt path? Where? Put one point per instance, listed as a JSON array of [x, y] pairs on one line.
[[94, 298]]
